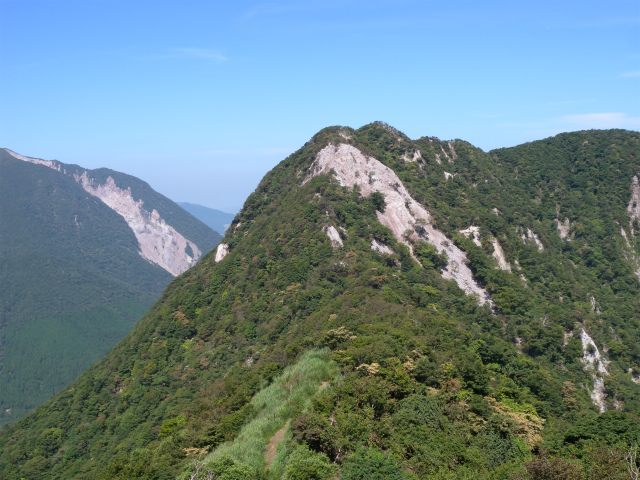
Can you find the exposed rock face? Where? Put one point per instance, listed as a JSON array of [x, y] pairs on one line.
[[416, 156], [597, 365], [563, 228], [624, 235], [221, 252], [634, 203], [334, 236], [528, 236], [630, 253], [634, 215], [498, 254], [454, 155], [446, 155], [401, 213], [472, 233], [380, 247], [159, 242], [594, 306]]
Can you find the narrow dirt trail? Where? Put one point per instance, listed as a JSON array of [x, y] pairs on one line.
[[272, 446]]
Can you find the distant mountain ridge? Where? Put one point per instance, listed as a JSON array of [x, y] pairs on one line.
[[83, 254], [217, 220], [159, 241]]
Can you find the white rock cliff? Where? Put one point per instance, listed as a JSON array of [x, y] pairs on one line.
[[402, 213], [159, 242], [596, 364]]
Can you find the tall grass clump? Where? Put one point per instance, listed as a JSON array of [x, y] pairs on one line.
[[287, 397]]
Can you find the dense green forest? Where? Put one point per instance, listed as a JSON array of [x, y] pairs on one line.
[[295, 357], [73, 283]]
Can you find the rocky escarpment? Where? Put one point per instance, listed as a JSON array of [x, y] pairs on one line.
[[564, 228], [402, 213], [473, 233], [634, 203], [334, 236], [633, 209], [529, 237], [596, 364], [159, 242], [221, 252]]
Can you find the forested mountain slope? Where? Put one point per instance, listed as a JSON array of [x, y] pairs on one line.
[[72, 278], [419, 309]]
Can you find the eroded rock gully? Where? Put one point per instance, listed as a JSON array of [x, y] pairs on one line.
[[159, 242], [401, 213]]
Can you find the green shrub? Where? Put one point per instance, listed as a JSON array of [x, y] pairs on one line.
[[223, 468], [371, 464], [304, 464]]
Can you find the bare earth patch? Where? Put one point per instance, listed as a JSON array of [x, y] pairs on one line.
[[272, 447]]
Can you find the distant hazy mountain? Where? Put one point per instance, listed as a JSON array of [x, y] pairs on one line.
[[83, 254], [216, 219]]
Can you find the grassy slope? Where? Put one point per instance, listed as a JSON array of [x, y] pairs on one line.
[[285, 399]]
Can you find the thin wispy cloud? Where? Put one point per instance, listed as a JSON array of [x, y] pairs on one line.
[[221, 152], [610, 22], [634, 74], [141, 156], [254, 152], [567, 102], [584, 121], [326, 22], [534, 130], [522, 124], [197, 53], [602, 120], [275, 151], [275, 9]]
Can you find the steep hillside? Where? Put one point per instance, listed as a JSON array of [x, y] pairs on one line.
[[73, 277], [475, 335], [216, 220]]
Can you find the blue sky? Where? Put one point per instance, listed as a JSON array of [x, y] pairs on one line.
[[202, 98]]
